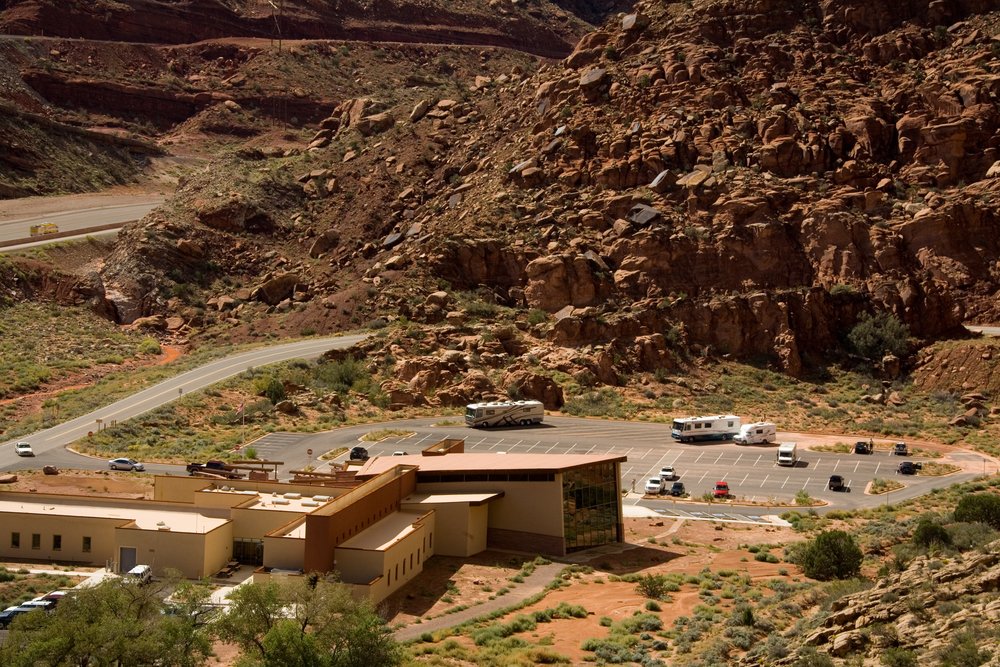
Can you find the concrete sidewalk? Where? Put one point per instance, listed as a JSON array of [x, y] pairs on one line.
[[533, 584]]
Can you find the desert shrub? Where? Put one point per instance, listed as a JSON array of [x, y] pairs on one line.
[[874, 336], [966, 536], [270, 387], [653, 605], [810, 657], [979, 508], [964, 650], [899, 657], [497, 631], [537, 316], [742, 615], [927, 533], [653, 586], [642, 623], [832, 555], [342, 376], [149, 345]]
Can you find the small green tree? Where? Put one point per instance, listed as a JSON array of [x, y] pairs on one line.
[[927, 533], [874, 336], [270, 387], [832, 555], [979, 508]]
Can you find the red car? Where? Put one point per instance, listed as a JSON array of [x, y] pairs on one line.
[[721, 490]]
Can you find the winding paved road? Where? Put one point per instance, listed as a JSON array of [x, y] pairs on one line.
[[48, 444]]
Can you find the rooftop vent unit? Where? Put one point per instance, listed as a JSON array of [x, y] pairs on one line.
[[163, 527], [310, 503], [321, 499], [281, 501], [293, 495]]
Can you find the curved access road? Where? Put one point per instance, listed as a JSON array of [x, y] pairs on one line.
[[57, 437]]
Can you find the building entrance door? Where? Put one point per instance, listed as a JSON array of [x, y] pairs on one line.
[[126, 558]]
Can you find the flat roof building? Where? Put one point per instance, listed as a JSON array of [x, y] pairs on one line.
[[376, 535]]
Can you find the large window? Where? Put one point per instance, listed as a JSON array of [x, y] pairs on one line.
[[15, 540], [86, 545], [248, 551], [590, 506]]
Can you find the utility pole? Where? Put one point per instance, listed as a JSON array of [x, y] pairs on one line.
[[280, 8]]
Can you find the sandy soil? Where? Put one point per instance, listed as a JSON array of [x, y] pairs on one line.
[[84, 483]]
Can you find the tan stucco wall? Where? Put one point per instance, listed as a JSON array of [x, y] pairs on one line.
[[72, 530], [534, 507], [218, 548], [285, 553], [362, 566], [463, 528], [256, 523], [186, 552]]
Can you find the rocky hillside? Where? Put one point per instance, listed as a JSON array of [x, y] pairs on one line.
[[722, 178], [539, 27]]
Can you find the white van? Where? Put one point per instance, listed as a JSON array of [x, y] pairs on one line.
[[142, 574], [756, 433], [788, 454]]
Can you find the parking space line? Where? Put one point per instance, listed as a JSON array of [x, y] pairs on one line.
[[766, 477], [758, 459], [785, 482], [856, 466], [718, 459], [703, 476], [552, 447], [744, 478], [808, 479], [738, 460], [699, 457]]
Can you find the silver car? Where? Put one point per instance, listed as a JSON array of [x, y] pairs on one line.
[[126, 464]]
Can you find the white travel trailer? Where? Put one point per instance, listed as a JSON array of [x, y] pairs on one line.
[[504, 413], [720, 427], [788, 454], [756, 433]]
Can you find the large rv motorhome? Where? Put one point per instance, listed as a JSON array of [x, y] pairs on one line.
[[504, 413], [720, 427]]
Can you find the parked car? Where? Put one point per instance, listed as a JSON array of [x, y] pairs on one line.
[[677, 489], [908, 468], [126, 464], [721, 490], [863, 447], [899, 449], [667, 472], [10, 613], [359, 454], [23, 449], [55, 596], [654, 486], [399, 453], [836, 483]]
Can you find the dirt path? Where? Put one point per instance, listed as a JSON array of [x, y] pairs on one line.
[[533, 583]]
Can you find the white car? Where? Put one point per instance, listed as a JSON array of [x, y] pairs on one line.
[[23, 449], [399, 453], [654, 486], [667, 472], [126, 464]]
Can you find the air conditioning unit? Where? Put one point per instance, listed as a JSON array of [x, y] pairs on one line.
[[293, 495], [163, 527], [321, 499], [310, 503], [281, 501]]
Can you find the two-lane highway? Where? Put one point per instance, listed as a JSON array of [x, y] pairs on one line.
[[79, 220]]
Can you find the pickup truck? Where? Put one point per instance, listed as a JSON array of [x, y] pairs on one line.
[[218, 468]]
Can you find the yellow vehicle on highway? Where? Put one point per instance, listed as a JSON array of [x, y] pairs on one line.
[[44, 228]]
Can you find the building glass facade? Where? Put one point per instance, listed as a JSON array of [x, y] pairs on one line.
[[591, 507]]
